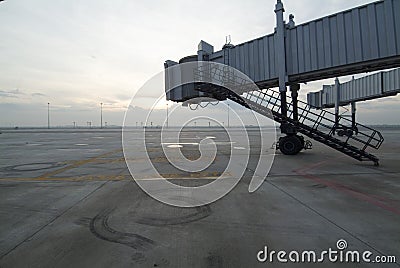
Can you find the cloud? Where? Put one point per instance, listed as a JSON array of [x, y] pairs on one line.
[[77, 54], [36, 94], [15, 93]]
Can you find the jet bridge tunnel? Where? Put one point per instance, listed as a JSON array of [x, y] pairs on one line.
[[361, 39]]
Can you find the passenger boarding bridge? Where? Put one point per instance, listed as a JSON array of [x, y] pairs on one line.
[[362, 39]]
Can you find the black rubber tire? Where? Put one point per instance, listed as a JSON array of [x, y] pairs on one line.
[[290, 145]]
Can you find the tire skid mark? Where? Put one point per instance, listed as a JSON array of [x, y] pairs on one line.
[[100, 228]]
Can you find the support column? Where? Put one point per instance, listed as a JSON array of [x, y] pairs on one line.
[[283, 104], [353, 115], [294, 90], [280, 55], [337, 102]]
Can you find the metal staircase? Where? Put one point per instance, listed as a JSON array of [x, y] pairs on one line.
[[320, 125]]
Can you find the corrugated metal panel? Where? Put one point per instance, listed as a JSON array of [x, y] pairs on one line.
[[340, 44], [362, 88], [353, 36], [391, 82], [328, 94], [172, 77], [256, 58], [365, 88], [177, 76], [314, 99]]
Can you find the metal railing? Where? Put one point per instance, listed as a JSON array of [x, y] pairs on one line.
[[360, 136], [321, 125]]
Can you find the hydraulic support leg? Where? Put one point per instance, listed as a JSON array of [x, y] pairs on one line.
[[283, 104], [353, 115], [286, 127], [337, 104], [294, 89]]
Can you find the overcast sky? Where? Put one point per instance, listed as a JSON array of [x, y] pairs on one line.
[[77, 54]]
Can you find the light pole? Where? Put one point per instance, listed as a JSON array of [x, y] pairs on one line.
[[101, 115], [48, 115]]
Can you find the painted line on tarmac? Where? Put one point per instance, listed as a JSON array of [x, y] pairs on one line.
[[175, 176], [77, 178], [77, 163]]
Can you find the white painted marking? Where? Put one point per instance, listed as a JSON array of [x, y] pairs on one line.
[[180, 143], [174, 146]]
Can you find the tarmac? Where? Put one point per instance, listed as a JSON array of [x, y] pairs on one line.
[[67, 199]]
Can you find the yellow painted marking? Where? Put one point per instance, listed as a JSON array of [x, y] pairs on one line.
[[77, 164], [193, 176], [78, 178], [49, 176]]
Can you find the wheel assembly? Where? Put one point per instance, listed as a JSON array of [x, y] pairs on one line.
[[291, 145]]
